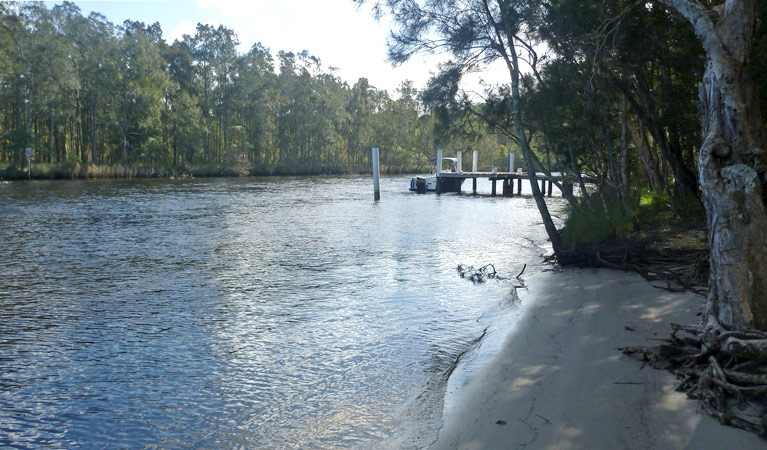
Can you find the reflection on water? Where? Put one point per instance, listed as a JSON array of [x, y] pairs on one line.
[[290, 312]]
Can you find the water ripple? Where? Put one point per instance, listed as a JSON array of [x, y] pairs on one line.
[[248, 313]]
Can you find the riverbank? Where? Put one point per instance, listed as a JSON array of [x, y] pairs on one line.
[[66, 171], [560, 382]]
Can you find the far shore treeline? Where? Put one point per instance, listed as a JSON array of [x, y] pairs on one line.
[[95, 99]]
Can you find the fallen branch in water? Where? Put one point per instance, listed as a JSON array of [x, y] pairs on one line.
[[477, 275], [485, 273], [522, 271]]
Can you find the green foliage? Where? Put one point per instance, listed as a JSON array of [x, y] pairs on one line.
[[593, 224], [599, 218], [659, 207], [81, 90]]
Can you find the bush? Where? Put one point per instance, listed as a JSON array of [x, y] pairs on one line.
[[591, 224]]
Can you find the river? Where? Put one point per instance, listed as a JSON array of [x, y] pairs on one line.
[[254, 312]]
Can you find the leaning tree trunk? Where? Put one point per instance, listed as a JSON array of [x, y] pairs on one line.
[[732, 167], [527, 153]]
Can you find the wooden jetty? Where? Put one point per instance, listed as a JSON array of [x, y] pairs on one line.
[[506, 178]]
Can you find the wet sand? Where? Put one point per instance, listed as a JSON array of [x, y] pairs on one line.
[[559, 381]]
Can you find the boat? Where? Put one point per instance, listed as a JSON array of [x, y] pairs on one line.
[[428, 183]]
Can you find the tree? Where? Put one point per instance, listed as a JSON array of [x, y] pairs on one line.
[[140, 84], [732, 164]]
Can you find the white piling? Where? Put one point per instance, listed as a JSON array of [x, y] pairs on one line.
[[439, 162], [376, 176], [28, 152], [474, 161], [511, 162], [459, 162]]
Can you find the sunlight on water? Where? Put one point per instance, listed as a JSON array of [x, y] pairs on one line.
[[284, 312]]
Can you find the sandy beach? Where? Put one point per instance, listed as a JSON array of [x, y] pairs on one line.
[[559, 382]]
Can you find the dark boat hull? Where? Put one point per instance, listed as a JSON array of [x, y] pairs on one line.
[[429, 184]]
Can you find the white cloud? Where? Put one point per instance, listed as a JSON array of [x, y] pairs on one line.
[[182, 29], [337, 31]]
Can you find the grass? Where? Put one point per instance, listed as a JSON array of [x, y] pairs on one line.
[[69, 170]]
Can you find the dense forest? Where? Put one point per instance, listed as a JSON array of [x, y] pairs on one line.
[[104, 99]]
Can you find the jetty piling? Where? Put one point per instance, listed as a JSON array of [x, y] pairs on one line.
[[376, 176], [506, 178], [439, 171]]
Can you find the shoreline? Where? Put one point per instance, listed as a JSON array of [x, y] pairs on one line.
[[80, 171], [559, 381], [500, 323]]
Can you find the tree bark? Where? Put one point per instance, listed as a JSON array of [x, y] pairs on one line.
[[732, 166]]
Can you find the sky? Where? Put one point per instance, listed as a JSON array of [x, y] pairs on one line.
[[338, 32]]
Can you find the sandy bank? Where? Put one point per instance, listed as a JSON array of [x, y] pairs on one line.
[[559, 381]]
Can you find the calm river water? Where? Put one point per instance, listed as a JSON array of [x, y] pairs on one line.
[[220, 313]]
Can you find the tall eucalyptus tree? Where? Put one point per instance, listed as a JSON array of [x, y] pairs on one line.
[[732, 160]]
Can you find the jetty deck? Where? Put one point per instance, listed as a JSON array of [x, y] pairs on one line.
[[507, 180]]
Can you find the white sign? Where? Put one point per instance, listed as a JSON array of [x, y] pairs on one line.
[[28, 152]]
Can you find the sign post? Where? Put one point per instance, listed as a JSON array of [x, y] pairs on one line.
[[28, 152]]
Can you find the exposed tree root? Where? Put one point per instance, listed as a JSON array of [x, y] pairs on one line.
[[727, 372], [680, 269]]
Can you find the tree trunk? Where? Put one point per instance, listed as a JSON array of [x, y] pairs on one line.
[[732, 166], [624, 146], [94, 159], [647, 157], [548, 223], [49, 156], [124, 149], [649, 119]]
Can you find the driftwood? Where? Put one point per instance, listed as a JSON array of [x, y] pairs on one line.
[[726, 370], [485, 273], [480, 275]]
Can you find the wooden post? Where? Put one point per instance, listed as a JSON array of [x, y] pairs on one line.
[[519, 184], [551, 187], [474, 161], [492, 192], [438, 187], [28, 152], [474, 185], [495, 171], [543, 185], [376, 176], [505, 187]]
